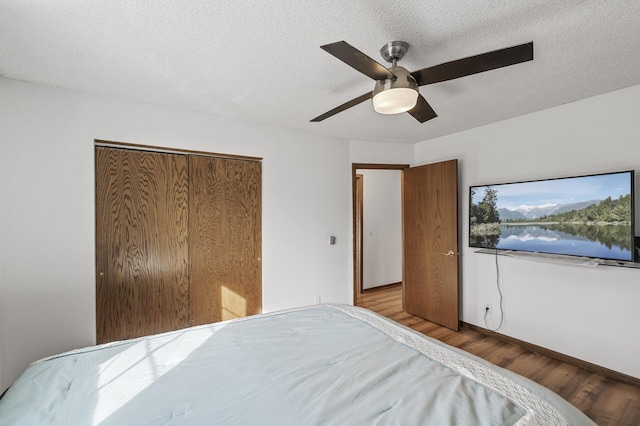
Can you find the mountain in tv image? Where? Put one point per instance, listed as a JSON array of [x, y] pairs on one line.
[[529, 212]]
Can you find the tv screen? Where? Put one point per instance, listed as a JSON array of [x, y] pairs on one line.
[[589, 216]]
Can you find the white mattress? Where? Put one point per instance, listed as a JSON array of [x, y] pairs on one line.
[[326, 364]]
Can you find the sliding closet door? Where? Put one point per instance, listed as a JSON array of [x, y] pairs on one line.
[[141, 243], [225, 238]]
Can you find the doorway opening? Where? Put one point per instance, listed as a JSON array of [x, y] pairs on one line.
[[358, 214]]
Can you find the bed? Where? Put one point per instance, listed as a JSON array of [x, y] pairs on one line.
[[324, 364]]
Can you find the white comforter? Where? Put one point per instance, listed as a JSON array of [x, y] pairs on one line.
[[325, 364]]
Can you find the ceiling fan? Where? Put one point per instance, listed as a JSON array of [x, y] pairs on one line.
[[396, 88]]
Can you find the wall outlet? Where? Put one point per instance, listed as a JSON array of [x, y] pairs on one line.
[[316, 299], [487, 307]]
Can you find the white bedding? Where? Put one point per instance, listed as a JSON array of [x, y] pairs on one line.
[[326, 364]]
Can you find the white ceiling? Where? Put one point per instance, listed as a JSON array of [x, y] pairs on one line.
[[261, 61]]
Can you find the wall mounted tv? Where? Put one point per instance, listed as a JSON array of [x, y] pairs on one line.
[[590, 216]]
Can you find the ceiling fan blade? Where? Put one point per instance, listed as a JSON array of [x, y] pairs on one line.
[[346, 105], [474, 64], [358, 60], [422, 111]]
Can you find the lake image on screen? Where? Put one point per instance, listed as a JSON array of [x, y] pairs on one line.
[[583, 216]]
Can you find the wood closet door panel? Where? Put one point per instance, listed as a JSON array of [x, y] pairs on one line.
[[141, 243], [225, 238]]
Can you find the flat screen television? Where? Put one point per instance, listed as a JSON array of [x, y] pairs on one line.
[[589, 216]]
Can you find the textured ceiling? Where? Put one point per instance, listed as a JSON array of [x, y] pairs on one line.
[[261, 61]]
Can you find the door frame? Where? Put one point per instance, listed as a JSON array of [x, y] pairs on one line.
[[358, 231], [357, 215]]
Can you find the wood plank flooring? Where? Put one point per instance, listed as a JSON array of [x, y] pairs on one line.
[[605, 401]]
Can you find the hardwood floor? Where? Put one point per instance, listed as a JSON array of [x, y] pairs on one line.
[[605, 401]]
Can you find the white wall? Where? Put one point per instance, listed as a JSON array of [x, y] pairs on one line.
[[47, 256], [588, 313], [380, 152], [382, 227]]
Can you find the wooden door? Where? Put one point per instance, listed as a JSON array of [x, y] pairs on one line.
[[142, 283], [430, 242], [225, 238]]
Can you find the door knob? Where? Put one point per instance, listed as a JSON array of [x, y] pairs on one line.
[[449, 253]]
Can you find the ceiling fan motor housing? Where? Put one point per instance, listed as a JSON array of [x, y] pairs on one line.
[[403, 80]]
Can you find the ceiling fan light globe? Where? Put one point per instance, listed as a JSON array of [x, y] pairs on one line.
[[395, 100]]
